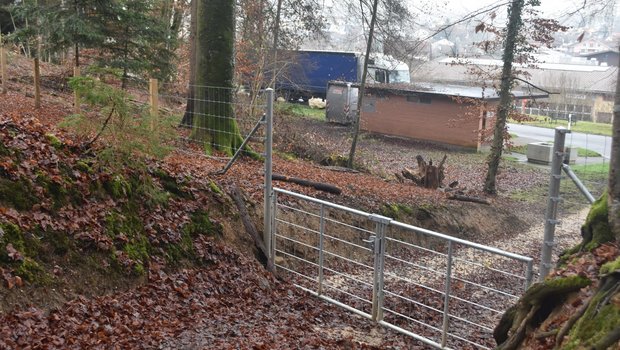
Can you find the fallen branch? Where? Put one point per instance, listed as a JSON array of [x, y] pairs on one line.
[[316, 185], [460, 197], [237, 197]]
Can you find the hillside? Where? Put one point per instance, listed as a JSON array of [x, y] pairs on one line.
[[101, 249]]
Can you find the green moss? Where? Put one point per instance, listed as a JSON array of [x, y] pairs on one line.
[[170, 184], [117, 187], [567, 282], [4, 150], [610, 267], [214, 188], [201, 224], [335, 160], [596, 230], [18, 193], [396, 210], [184, 249], [138, 249], [57, 191], [54, 141], [83, 167], [596, 323], [30, 270]]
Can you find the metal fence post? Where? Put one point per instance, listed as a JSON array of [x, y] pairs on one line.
[[321, 255], [552, 203], [268, 170], [446, 300], [381, 223], [274, 227]]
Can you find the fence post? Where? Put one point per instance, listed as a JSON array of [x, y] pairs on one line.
[[76, 96], [37, 83], [381, 223], [3, 69], [552, 203], [153, 101], [267, 220], [321, 247], [446, 300]]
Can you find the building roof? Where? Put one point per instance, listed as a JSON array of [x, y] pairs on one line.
[[552, 76], [452, 90]]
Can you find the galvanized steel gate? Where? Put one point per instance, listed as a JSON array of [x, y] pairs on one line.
[[443, 291]]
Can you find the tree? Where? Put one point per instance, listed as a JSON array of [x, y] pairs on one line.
[[360, 96], [137, 40], [613, 199], [594, 324], [505, 99], [213, 117]]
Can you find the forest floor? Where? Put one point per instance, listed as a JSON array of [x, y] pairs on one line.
[[225, 298]]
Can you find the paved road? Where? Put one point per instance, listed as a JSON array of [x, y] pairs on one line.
[[598, 143]]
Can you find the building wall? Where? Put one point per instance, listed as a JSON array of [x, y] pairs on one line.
[[442, 120]]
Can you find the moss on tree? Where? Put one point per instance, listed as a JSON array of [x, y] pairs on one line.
[[596, 230]]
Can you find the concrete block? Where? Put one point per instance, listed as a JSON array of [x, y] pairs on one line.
[[540, 152], [570, 155]]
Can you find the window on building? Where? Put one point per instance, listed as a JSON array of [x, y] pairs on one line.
[[419, 99]]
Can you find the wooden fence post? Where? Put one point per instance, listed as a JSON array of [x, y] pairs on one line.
[[37, 83], [3, 69], [153, 100], [76, 95]]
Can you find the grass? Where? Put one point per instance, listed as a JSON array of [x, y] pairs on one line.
[[581, 126], [299, 110], [581, 152]]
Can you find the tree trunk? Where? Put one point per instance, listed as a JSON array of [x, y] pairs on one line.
[[187, 120], [360, 96], [505, 98], [214, 124], [613, 199]]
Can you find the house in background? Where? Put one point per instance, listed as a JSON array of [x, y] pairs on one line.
[[585, 91], [448, 114], [608, 57]]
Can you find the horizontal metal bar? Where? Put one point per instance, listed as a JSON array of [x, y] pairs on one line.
[[346, 242], [280, 205], [296, 257], [298, 242], [468, 341], [356, 228], [412, 301], [471, 323], [319, 201], [347, 293], [347, 276], [412, 335], [415, 265], [295, 272], [414, 283], [335, 302], [489, 268], [349, 260], [462, 241], [485, 287], [298, 226], [415, 246], [412, 319]]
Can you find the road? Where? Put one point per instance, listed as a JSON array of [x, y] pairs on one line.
[[597, 143]]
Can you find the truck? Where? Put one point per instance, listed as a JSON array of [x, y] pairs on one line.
[[308, 72]]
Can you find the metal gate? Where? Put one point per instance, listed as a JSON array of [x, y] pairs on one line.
[[443, 291]]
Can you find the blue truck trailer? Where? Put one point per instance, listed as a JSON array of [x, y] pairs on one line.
[[308, 72]]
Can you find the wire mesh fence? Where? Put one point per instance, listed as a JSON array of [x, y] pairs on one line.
[[443, 291], [209, 120], [592, 168]]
